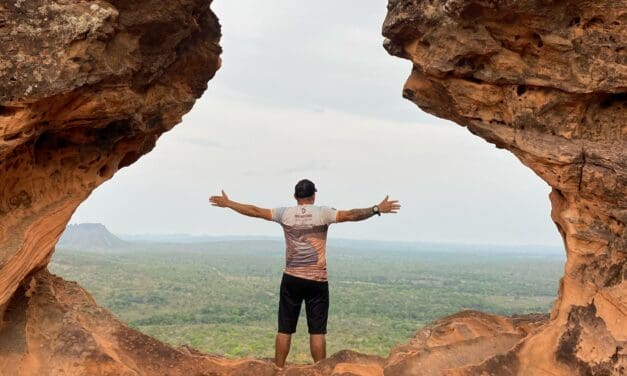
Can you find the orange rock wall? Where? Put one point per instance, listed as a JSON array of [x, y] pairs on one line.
[[87, 88], [548, 82]]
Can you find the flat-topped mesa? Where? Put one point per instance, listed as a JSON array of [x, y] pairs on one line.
[[86, 89], [548, 82]]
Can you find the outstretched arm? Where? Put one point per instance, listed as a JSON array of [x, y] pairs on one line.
[[249, 210], [386, 206]]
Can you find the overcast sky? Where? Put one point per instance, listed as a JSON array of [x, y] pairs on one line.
[[306, 90]]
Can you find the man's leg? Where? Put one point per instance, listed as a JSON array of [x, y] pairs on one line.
[[317, 307], [289, 309], [318, 346], [281, 348]]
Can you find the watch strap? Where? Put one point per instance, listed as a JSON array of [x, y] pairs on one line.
[[376, 210]]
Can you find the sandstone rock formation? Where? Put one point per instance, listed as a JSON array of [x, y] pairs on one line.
[[546, 80], [54, 327], [87, 87], [460, 340]]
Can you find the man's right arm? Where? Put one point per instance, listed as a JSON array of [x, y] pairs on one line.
[[223, 201], [354, 215]]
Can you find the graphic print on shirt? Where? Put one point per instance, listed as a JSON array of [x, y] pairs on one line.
[[305, 243], [305, 228]]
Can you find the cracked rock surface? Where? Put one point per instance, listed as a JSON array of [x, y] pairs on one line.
[[87, 87], [546, 80]]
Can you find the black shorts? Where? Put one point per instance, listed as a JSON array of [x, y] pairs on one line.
[[316, 296]]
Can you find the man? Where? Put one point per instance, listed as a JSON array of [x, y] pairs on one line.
[[305, 274]]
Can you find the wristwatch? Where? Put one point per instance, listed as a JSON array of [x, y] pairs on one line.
[[376, 210]]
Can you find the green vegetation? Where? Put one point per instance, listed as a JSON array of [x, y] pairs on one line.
[[222, 297]]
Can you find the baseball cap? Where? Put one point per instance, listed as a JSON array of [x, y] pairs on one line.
[[304, 188]]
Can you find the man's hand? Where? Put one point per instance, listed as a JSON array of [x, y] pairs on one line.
[[221, 201], [249, 210], [387, 206]]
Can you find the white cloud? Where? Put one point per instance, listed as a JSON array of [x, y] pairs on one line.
[[305, 92]]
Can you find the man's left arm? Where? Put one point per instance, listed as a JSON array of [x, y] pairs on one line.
[[223, 201], [354, 215]]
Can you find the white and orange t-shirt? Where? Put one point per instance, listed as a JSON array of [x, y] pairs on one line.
[[305, 228]]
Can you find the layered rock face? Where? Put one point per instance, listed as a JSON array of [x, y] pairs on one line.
[[87, 88], [546, 80], [54, 327]]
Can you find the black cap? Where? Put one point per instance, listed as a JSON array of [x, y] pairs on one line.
[[304, 188]]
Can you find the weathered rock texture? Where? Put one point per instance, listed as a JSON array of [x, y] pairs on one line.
[[461, 340], [87, 87], [54, 327], [546, 80]]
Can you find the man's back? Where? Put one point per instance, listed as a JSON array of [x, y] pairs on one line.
[[305, 228], [305, 274]]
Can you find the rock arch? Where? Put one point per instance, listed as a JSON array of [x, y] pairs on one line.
[[88, 87]]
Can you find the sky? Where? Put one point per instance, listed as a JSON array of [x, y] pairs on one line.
[[307, 91]]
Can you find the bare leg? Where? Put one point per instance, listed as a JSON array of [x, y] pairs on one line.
[[281, 348], [318, 346]]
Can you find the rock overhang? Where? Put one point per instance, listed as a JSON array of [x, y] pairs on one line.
[[88, 87]]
